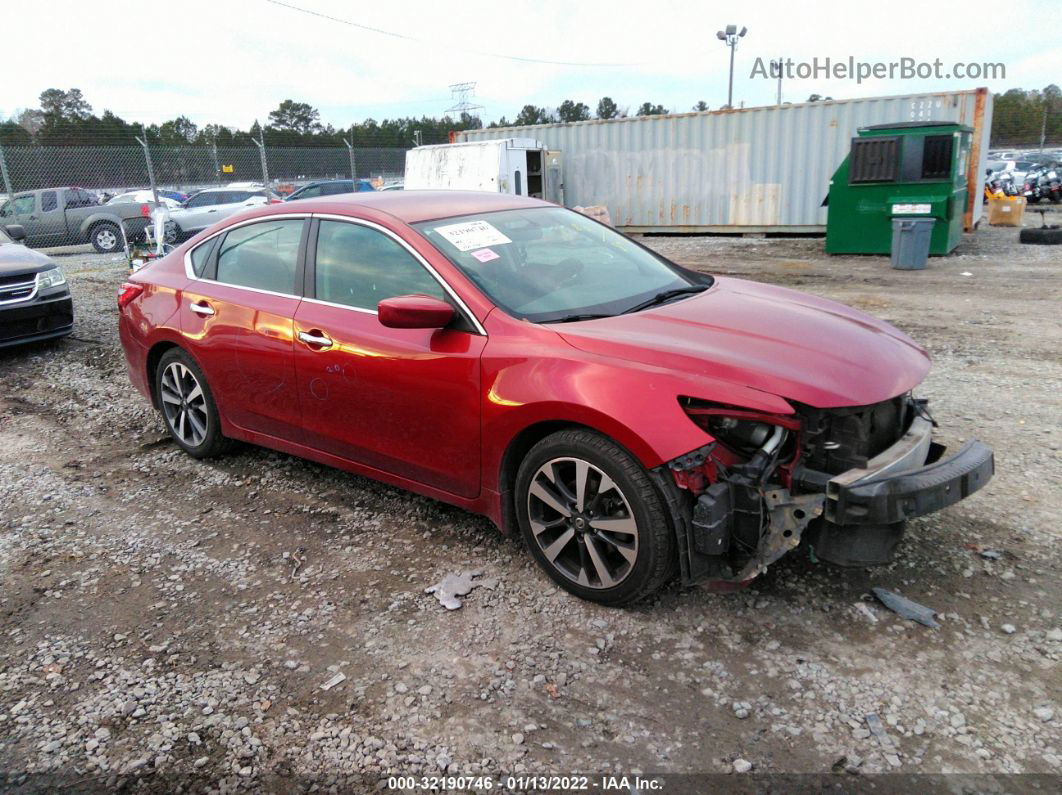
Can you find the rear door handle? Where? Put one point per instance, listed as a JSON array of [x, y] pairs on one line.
[[202, 308], [315, 339]]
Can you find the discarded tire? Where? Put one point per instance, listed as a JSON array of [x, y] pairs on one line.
[[1041, 236]]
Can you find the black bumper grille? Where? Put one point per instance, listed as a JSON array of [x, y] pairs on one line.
[[836, 440]]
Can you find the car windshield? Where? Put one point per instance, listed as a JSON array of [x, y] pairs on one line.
[[550, 264]]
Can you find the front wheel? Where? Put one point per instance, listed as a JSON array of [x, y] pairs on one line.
[[592, 519], [106, 238]]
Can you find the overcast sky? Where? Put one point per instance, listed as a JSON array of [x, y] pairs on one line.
[[232, 61]]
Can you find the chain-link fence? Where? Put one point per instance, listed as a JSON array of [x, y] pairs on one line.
[[115, 169]]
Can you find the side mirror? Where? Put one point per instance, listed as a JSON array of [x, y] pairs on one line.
[[414, 311], [16, 232]]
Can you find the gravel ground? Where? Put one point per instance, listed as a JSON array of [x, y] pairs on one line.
[[167, 621]]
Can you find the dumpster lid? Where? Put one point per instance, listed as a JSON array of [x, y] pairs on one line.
[[910, 125]]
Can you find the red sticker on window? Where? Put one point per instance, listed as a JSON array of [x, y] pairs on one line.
[[485, 255]]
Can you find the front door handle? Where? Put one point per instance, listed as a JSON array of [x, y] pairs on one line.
[[315, 339], [202, 308]]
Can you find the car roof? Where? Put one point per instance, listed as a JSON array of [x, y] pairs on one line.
[[413, 206]]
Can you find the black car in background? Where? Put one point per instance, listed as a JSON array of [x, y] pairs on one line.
[[35, 302]]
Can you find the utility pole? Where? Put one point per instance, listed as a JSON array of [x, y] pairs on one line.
[[730, 36], [260, 143], [777, 66], [1043, 127], [150, 166]]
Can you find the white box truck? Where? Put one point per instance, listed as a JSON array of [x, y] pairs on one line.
[[520, 166]]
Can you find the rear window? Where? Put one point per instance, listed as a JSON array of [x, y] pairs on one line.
[[201, 256], [261, 255]]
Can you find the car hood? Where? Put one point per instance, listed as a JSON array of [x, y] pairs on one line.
[[16, 259], [776, 340]]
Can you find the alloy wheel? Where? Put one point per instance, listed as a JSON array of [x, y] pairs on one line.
[[106, 239], [184, 404], [582, 523]]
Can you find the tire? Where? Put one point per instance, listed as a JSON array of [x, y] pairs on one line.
[[106, 238], [1039, 236], [188, 406], [615, 566]]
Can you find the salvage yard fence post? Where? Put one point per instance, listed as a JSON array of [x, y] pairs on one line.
[[350, 151], [150, 167], [7, 178], [214, 157], [260, 143]]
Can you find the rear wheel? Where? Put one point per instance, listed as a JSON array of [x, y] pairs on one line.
[[188, 405], [106, 238], [592, 519]]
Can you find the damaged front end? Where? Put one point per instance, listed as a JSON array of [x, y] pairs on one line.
[[842, 480]]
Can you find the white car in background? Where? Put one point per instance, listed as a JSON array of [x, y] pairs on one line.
[[143, 197], [209, 206]]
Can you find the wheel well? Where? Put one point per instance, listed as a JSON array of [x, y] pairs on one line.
[[153, 358], [514, 454]]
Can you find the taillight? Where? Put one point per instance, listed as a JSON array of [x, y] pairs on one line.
[[127, 293], [145, 211], [276, 201]]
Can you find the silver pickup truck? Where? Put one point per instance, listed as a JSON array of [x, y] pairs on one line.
[[69, 216]]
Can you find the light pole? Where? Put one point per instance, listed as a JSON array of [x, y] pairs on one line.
[[730, 37], [776, 66]]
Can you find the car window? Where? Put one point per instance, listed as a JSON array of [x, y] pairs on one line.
[[547, 263], [201, 256], [23, 204], [204, 199], [333, 188], [310, 192], [261, 255], [49, 201], [86, 198], [359, 266]]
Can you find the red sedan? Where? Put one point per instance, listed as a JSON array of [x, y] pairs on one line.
[[634, 420]]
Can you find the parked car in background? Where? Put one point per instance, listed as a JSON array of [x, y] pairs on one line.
[[142, 197], [211, 205], [35, 302], [632, 419], [392, 186], [68, 216], [330, 187], [176, 195]]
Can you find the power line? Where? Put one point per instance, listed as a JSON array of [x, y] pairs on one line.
[[406, 37]]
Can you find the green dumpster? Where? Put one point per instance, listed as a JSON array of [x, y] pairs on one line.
[[904, 170]]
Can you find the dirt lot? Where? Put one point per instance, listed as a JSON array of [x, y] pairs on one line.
[[165, 620]]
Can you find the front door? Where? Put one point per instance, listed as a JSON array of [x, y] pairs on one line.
[[237, 319], [23, 210], [405, 401]]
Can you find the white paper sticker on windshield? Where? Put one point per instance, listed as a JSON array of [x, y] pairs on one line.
[[472, 234]]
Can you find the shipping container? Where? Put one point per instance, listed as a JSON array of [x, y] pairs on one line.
[[763, 169]]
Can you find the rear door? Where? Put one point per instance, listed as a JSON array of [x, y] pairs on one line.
[[237, 318], [200, 211], [405, 401]]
